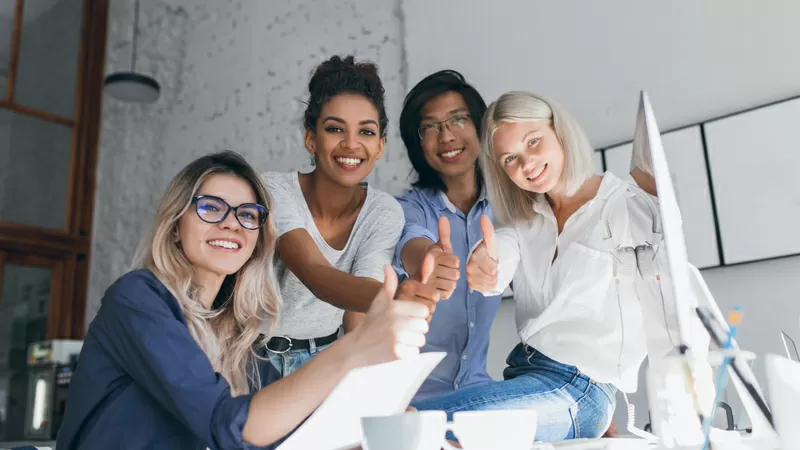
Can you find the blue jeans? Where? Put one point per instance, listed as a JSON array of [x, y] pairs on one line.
[[290, 361], [569, 404]]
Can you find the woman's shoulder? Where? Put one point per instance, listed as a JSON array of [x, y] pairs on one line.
[[380, 202], [139, 288]]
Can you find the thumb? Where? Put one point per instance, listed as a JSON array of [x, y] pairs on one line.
[[427, 268], [488, 236], [389, 281], [444, 235]]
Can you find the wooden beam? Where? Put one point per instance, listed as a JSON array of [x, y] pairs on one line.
[[22, 238], [90, 123], [76, 149]]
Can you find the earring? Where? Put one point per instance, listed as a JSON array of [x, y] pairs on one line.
[[313, 157]]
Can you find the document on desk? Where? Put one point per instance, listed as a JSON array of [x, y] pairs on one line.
[[379, 390]]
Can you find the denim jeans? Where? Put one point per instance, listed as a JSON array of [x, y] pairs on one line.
[[290, 361], [569, 404]]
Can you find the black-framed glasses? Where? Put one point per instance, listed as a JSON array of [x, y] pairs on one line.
[[434, 129], [212, 209]]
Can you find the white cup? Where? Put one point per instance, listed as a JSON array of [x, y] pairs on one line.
[[475, 430], [423, 430], [491, 430]]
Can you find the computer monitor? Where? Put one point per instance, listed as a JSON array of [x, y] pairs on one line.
[[650, 171]]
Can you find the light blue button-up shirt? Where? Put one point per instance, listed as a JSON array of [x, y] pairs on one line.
[[461, 325]]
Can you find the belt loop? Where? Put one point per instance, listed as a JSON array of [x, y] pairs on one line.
[[312, 346]]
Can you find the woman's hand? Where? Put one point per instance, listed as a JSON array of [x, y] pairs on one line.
[[392, 329], [482, 264]]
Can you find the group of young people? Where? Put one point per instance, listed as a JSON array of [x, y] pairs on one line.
[[256, 293]]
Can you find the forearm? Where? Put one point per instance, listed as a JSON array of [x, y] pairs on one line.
[[340, 289], [413, 253], [280, 407], [351, 320]]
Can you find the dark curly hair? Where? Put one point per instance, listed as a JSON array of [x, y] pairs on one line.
[[338, 76]]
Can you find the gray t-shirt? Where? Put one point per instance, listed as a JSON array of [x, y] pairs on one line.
[[371, 245]]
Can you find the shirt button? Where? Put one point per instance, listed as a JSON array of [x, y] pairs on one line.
[[472, 324], [464, 357], [455, 385]]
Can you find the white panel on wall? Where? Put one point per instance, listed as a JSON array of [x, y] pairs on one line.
[[684, 149], [755, 158]]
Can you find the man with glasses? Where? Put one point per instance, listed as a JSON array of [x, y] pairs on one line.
[[439, 124]]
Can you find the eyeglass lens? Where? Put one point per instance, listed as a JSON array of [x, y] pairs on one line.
[[213, 210]]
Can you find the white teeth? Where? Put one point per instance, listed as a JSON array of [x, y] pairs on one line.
[[223, 244], [349, 161], [451, 154], [536, 175]]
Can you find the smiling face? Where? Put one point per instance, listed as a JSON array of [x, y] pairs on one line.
[[448, 136], [347, 140], [218, 249], [530, 154]]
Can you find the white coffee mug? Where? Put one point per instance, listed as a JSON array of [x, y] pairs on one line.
[[423, 430], [491, 430]]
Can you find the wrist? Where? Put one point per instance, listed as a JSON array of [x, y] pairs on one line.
[[347, 351]]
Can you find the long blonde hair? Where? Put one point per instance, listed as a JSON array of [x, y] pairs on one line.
[[246, 299], [510, 203]]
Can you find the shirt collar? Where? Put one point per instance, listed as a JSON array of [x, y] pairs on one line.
[[440, 200]]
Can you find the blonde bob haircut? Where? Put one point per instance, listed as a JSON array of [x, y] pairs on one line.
[[510, 203]]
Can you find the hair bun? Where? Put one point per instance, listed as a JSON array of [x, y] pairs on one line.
[[336, 67], [339, 75]]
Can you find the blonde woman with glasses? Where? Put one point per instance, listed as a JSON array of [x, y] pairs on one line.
[[168, 362], [568, 239]]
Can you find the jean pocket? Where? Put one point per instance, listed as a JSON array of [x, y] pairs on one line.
[[609, 390], [593, 412]]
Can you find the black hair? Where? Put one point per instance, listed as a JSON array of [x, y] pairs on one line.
[[338, 76], [433, 86]]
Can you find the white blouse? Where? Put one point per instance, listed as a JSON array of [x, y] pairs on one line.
[[591, 307]]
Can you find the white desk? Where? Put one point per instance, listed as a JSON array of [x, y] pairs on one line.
[[641, 444]]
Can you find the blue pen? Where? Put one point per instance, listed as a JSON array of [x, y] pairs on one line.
[[734, 319]]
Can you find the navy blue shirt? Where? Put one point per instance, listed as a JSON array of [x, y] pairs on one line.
[[143, 382], [461, 325]]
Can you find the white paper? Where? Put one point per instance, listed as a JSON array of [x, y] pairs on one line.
[[379, 390]]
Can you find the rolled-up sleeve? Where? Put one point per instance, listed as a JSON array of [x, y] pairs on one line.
[[143, 335], [416, 226]]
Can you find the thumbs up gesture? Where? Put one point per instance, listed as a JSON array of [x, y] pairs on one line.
[[391, 329], [482, 264], [444, 274], [421, 290]]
